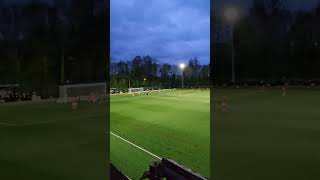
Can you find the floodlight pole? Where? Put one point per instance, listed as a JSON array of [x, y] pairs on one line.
[[232, 53], [182, 78], [62, 66], [129, 81], [182, 66], [231, 16]]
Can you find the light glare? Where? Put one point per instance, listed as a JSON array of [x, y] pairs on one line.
[[231, 14]]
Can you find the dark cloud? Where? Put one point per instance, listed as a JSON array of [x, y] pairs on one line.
[[169, 30]]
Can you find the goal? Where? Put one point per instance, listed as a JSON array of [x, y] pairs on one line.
[[135, 90], [83, 91]]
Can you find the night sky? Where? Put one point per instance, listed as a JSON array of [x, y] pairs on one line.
[[26, 1], [172, 31], [218, 5]]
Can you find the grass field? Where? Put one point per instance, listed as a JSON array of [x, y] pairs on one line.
[[267, 136], [172, 124], [51, 141]]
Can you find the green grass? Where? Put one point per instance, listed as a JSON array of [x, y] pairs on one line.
[[51, 141], [267, 136], [172, 124]]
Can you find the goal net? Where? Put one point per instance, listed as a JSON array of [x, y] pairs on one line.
[[83, 91], [135, 90]]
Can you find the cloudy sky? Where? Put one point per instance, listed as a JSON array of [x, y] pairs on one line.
[[171, 31]]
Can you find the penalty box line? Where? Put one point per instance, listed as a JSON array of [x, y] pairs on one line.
[[136, 146]]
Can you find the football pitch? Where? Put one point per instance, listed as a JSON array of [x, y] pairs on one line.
[[264, 135], [51, 141], [173, 124]]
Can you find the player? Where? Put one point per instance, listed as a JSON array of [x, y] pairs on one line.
[[75, 102], [223, 104], [262, 86], [74, 105], [92, 98], [284, 90]]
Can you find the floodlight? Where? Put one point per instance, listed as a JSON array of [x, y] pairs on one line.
[[182, 66]]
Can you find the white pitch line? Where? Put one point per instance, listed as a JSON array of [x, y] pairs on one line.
[[7, 124], [148, 152], [27, 124]]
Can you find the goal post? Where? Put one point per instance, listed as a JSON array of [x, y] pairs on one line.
[[135, 90], [82, 91]]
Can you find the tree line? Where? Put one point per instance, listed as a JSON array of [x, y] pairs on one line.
[[148, 72], [44, 44], [270, 42]]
